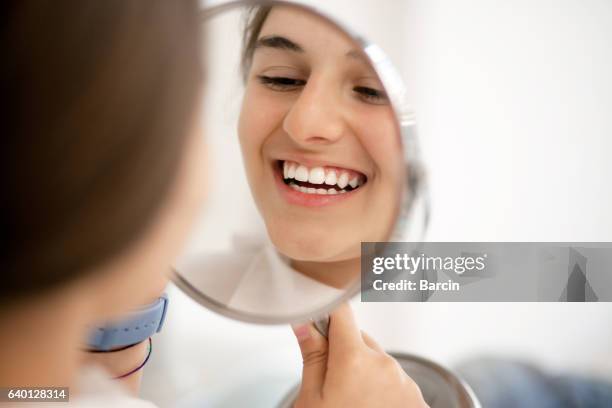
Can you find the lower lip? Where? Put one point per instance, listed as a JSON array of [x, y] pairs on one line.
[[309, 200]]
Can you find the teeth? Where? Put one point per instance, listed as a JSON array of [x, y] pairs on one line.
[[342, 191], [310, 190], [301, 173], [330, 180], [321, 175], [317, 175], [343, 180], [291, 170]]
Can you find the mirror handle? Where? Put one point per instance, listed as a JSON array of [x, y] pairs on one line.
[[322, 325]]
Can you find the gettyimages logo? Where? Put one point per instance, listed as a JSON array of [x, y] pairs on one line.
[[412, 264], [486, 271]]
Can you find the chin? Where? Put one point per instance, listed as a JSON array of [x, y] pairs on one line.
[[298, 245]]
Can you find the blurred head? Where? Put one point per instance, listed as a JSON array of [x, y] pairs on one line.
[[100, 151], [318, 136]]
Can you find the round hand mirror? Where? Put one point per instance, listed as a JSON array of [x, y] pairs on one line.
[[313, 151]]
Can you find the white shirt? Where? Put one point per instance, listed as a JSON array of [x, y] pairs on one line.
[[254, 278]]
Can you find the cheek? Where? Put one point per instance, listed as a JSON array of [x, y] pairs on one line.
[[261, 117], [253, 128], [254, 124], [381, 141]]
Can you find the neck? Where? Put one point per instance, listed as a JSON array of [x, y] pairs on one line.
[[339, 274], [40, 340]]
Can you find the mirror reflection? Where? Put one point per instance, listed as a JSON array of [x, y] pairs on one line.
[[299, 115]]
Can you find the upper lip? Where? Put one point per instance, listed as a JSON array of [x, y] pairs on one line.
[[310, 163]]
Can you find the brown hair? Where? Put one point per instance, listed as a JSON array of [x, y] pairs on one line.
[[97, 101], [255, 17]]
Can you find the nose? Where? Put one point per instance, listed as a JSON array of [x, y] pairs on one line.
[[316, 117]]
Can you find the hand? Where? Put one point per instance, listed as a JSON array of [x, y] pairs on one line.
[[350, 369]]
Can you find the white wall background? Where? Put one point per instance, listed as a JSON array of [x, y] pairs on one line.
[[514, 104]]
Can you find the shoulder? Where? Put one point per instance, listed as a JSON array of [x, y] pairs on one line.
[[102, 401], [98, 391]]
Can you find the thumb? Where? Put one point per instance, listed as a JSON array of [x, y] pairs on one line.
[[313, 347]]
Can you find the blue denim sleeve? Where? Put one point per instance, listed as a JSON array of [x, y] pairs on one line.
[[509, 384]]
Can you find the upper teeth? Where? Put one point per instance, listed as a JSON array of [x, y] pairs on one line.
[[320, 175]]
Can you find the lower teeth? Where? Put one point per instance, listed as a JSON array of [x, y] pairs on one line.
[[311, 190]]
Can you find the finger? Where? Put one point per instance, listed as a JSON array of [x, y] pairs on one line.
[[371, 343], [313, 347], [344, 335]]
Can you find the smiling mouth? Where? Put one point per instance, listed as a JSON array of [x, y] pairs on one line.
[[320, 180]]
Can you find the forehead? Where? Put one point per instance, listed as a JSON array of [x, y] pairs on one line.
[[311, 32]]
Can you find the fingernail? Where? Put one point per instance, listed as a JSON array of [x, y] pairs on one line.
[[302, 332]]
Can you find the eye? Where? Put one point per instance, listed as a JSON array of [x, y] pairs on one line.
[[279, 83], [371, 95]]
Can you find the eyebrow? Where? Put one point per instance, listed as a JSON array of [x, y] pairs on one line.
[[355, 54], [283, 43], [278, 42]]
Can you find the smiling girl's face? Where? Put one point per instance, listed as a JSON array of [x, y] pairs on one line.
[[319, 140]]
